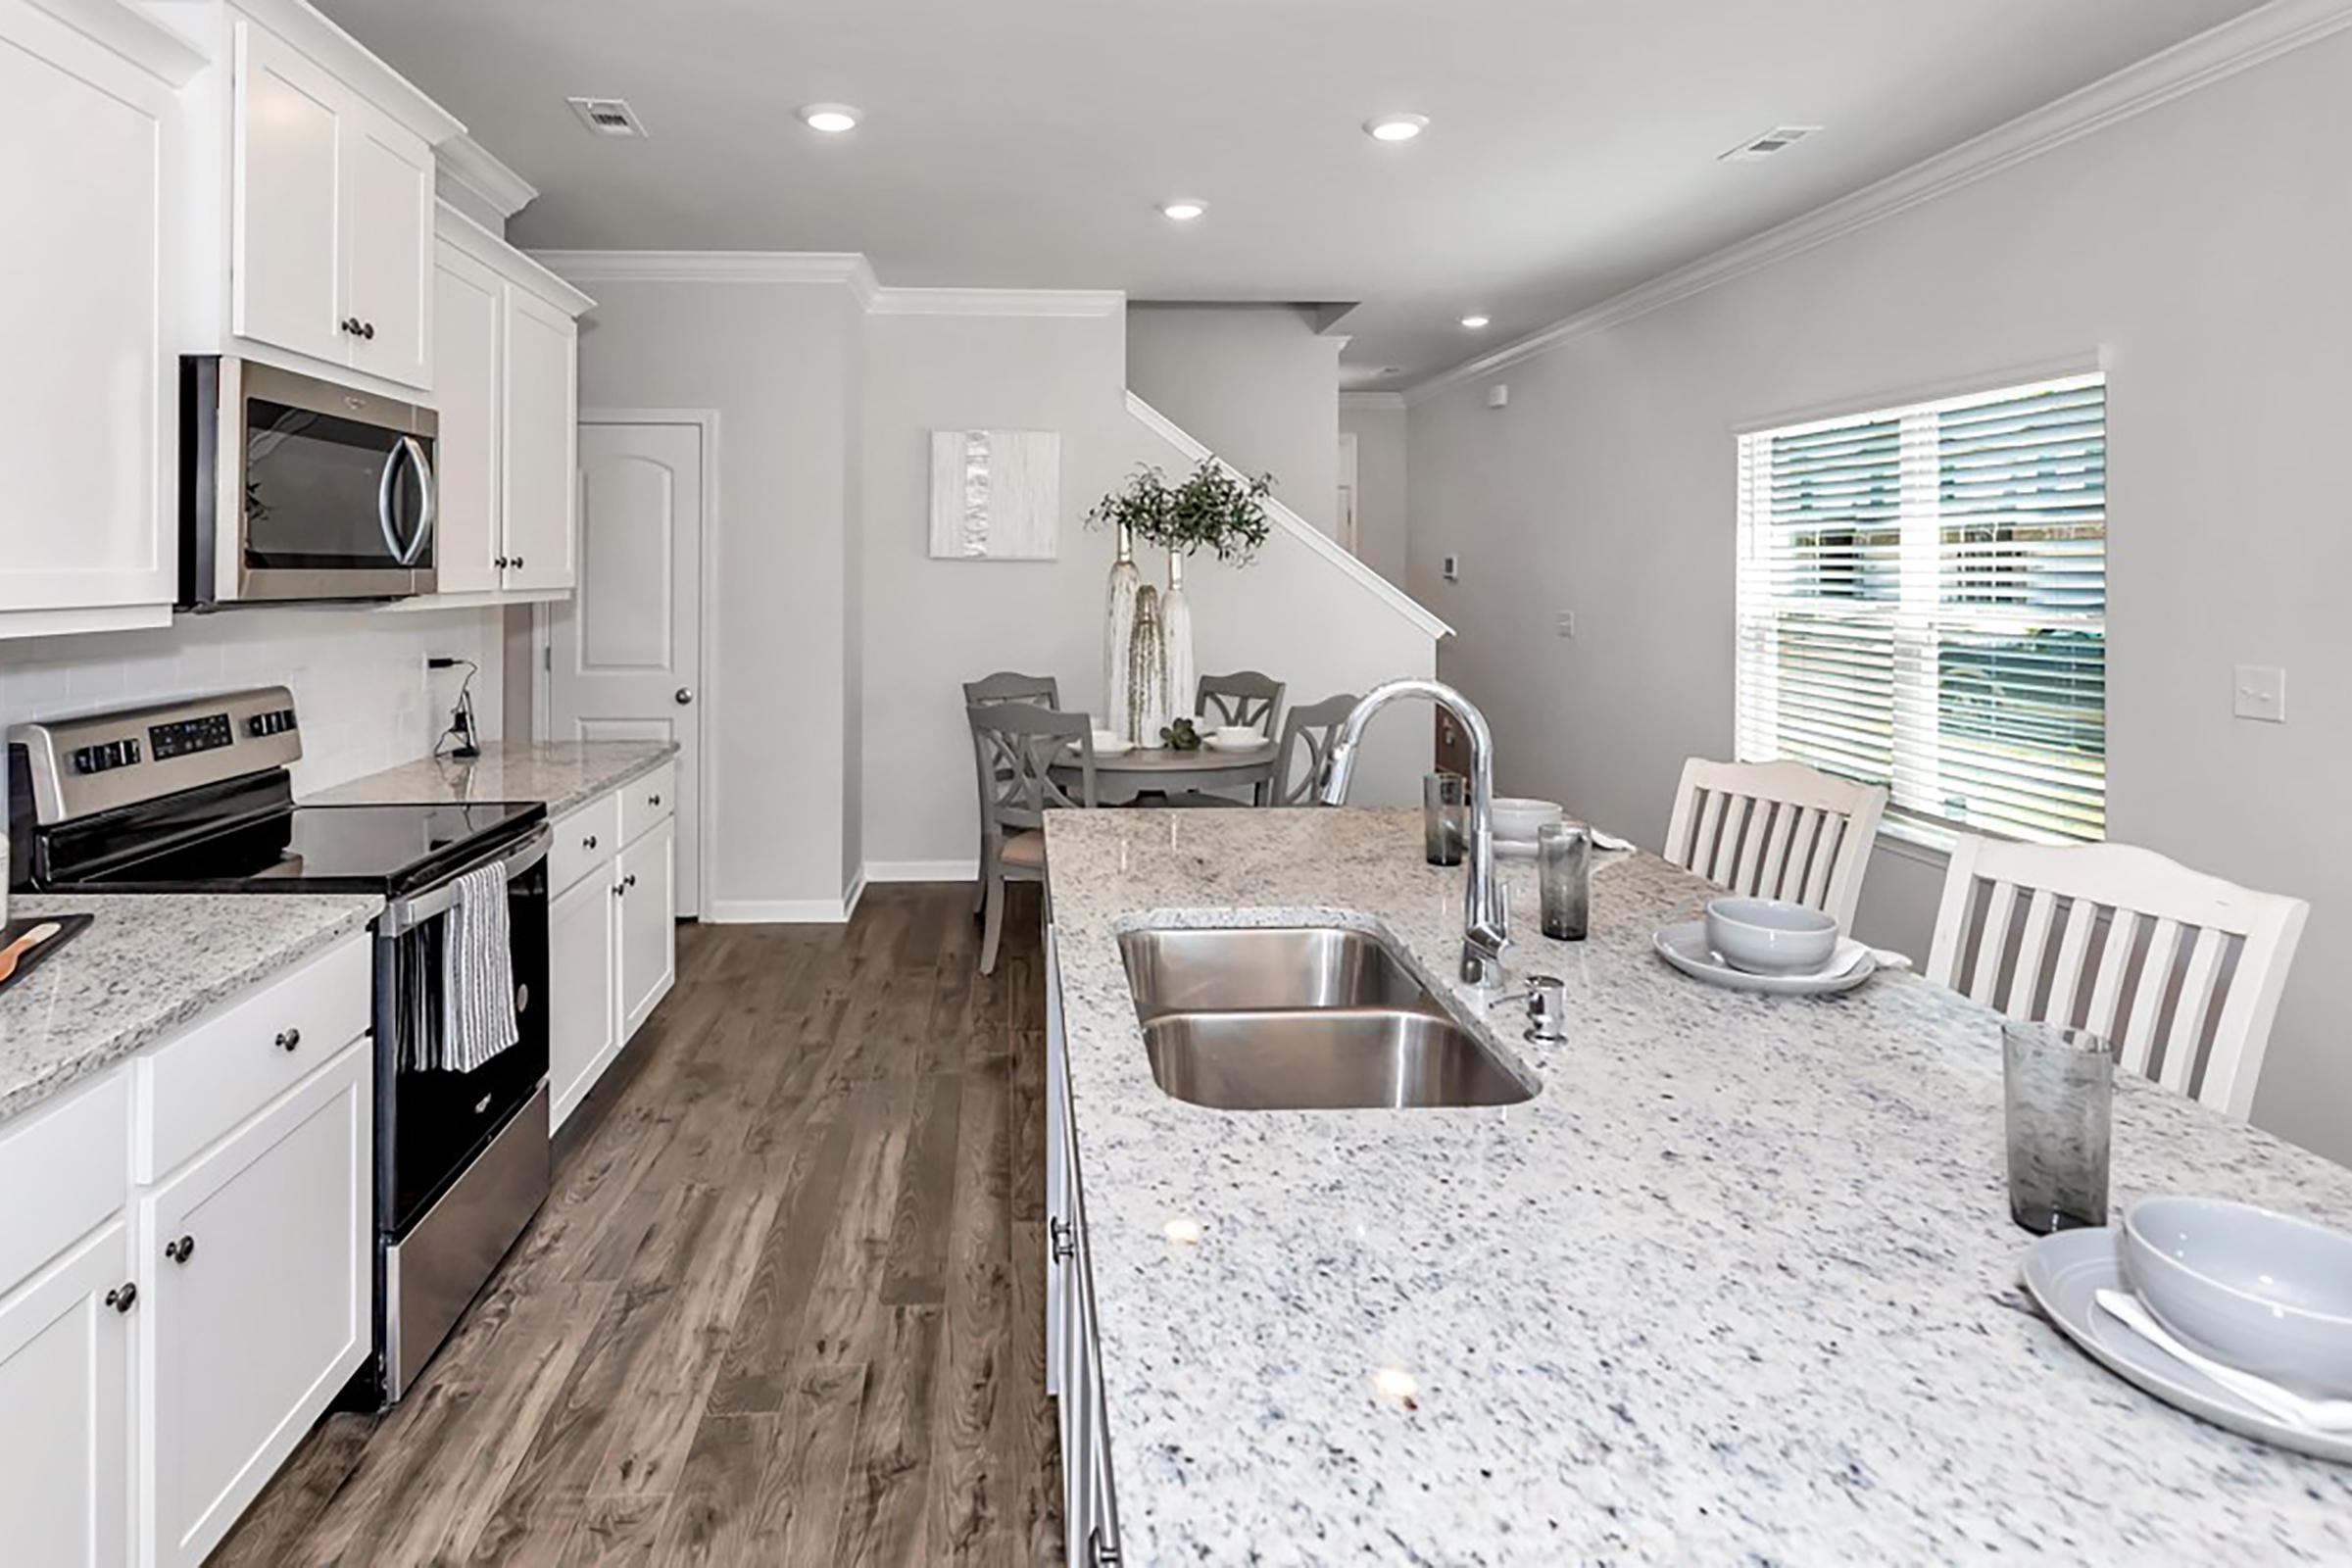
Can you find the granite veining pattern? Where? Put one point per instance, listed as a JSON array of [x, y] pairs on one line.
[[562, 774], [149, 965], [1737, 1285]]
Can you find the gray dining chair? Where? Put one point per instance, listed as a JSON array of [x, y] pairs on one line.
[[1244, 697], [1005, 686], [1017, 744], [1307, 737]]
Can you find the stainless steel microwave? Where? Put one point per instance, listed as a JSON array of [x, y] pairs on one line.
[[295, 488]]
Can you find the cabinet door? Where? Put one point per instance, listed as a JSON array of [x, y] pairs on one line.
[[285, 261], [649, 923], [542, 443], [1057, 1136], [64, 1409], [88, 463], [261, 1308], [582, 1027], [468, 316], [387, 237]]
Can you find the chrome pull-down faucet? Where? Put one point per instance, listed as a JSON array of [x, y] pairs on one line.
[[1486, 916]]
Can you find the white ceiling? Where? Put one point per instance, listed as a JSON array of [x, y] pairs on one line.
[[1023, 143]]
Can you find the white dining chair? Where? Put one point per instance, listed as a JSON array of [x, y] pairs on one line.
[[2182, 967], [1776, 830]]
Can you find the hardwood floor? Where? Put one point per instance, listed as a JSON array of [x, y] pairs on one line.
[[783, 1305]]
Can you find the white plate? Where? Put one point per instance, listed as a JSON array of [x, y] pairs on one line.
[[1114, 748], [1257, 744], [1685, 945], [2064, 1273]]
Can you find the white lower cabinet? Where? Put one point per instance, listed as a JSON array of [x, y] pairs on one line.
[[64, 1407], [1073, 1371], [165, 1342], [583, 1027], [611, 929], [259, 1306]]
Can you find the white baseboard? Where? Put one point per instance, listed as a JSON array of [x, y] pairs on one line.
[[775, 911], [922, 871], [856, 891]]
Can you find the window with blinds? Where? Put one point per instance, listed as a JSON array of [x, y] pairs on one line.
[[1923, 603]]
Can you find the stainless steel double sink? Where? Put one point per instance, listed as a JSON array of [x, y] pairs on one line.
[[1301, 1018]]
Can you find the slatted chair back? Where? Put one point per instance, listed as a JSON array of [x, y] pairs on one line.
[[1306, 736], [1244, 696], [2183, 970], [1776, 830]]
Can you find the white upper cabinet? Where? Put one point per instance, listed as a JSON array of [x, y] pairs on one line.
[[331, 217], [87, 294], [507, 380], [541, 457]]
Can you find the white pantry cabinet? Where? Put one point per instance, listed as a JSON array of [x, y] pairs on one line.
[[331, 217], [89, 297], [506, 378], [612, 932], [165, 1342]]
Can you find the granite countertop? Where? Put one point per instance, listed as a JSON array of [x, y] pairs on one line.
[[1739, 1283], [562, 774], [150, 965]]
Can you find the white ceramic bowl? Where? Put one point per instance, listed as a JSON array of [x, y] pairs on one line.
[[1516, 820], [1234, 737], [1109, 743], [1769, 936], [2260, 1290]]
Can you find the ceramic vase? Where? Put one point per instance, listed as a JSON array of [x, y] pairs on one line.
[[1118, 635], [1146, 670], [1176, 634]]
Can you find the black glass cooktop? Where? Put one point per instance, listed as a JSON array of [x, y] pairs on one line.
[[327, 848]]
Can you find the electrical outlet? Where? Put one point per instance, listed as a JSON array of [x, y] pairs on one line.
[[1451, 568], [2258, 691], [1566, 626]]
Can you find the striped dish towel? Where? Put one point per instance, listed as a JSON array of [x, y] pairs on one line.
[[477, 979]]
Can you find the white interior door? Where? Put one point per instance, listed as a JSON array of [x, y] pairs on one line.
[[625, 652]]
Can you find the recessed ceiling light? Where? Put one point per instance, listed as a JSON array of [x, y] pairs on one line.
[[830, 119], [1395, 127], [1182, 209], [1474, 322]]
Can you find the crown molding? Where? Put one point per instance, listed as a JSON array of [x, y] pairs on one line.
[[1052, 301], [133, 34], [2214, 55], [491, 249], [352, 61], [464, 162], [1371, 402]]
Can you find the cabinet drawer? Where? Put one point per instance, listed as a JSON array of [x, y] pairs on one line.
[[585, 839], [647, 801], [203, 1084], [74, 1154]]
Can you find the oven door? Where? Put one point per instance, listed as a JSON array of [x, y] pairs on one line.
[[431, 1124], [299, 488]]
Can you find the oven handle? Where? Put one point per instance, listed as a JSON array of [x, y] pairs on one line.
[[406, 915]]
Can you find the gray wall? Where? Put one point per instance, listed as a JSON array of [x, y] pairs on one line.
[[1380, 510], [2205, 246], [1255, 383]]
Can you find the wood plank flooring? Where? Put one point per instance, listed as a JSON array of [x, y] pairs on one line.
[[783, 1305]]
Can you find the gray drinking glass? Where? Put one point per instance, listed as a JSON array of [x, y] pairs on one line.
[[1446, 817], [2060, 1090], [1564, 879]]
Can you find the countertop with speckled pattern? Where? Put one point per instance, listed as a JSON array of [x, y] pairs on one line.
[[1737, 1285], [149, 966], [562, 774]]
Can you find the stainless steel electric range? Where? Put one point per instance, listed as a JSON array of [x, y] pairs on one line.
[[195, 797]]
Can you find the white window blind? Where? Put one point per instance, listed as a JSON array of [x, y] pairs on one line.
[[1923, 603]]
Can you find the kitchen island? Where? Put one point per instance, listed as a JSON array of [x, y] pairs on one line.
[[1738, 1284]]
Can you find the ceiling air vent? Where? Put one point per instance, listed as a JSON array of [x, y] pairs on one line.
[[1778, 139], [608, 117]]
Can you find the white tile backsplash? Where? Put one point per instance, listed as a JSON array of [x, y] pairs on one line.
[[360, 683]]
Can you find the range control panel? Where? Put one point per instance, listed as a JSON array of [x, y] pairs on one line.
[[182, 736], [101, 761]]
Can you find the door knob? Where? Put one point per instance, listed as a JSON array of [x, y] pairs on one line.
[[683, 695]]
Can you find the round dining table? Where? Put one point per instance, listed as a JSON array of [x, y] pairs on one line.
[[1162, 771]]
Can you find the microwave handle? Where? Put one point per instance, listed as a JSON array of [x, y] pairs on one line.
[[413, 450], [406, 915]]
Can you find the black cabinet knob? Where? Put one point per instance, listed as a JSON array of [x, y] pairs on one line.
[[629, 881], [517, 562], [181, 1251], [124, 1297], [288, 1039], [367, 331], [620, 888], [653, 800], [588, 843], [351, 324]]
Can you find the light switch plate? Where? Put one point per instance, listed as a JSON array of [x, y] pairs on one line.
[[2258, 691]]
